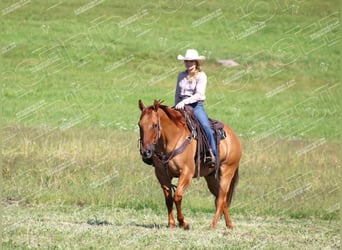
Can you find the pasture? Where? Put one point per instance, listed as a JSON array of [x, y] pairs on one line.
[[72, 74]]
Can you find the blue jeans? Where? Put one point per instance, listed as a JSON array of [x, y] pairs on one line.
[[202, 117]]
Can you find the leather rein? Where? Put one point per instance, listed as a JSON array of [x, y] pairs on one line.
[[164, 158]]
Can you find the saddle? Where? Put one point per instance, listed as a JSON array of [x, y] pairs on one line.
[[198, 133]]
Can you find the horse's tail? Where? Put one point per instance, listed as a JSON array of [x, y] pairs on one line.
[[232, 186]]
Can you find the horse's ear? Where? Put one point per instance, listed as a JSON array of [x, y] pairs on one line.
[[156, 105], [141, 105]]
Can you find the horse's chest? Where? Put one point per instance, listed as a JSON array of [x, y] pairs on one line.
[[176, 168]]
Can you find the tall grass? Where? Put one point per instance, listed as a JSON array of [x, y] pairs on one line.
[[103, 167]]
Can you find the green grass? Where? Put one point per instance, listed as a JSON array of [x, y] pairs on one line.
[[70, 86], [80, 167], [65, 227]]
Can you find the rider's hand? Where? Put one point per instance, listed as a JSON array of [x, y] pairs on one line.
[[180, 105]]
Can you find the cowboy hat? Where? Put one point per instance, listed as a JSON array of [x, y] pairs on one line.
[[190, 55]]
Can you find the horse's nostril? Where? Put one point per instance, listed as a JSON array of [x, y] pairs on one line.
[[147, 153]]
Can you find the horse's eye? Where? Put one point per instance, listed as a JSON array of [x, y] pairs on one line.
[[154, 126]]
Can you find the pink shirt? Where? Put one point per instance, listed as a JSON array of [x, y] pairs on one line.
[[190, 91]]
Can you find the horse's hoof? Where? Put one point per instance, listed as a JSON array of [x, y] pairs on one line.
[[212, 227], [184, 225]]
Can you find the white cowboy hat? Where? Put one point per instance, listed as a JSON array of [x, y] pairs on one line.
[[190, 55]]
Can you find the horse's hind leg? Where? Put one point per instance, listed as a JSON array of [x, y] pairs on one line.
[[213, 186], [222, 198]]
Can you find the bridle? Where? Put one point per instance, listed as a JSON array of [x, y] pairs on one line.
[[164, 158], [158, 134], [158, 130]]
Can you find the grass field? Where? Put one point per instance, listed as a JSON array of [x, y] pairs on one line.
[[90, 227], [72, 74]]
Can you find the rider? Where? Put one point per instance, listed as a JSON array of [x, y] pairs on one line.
[[190, 90]]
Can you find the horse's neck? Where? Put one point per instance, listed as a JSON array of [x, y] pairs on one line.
[[171, 134]]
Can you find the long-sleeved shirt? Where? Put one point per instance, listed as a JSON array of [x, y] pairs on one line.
[[190, 91]]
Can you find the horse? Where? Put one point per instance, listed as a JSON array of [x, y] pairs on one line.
[[166, 140]]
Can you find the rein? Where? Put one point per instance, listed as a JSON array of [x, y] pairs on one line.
[[165, 158]]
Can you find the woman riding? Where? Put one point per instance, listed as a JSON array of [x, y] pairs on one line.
[[190, 90]]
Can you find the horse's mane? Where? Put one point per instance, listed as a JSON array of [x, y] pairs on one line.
[[174, 115]]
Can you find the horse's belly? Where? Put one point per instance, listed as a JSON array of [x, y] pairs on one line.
[[204, 171]]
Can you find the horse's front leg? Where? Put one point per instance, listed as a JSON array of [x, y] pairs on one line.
[[169, 204], [183, 183], [165, 183]]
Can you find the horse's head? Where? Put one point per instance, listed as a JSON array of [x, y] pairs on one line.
[[149, 125]]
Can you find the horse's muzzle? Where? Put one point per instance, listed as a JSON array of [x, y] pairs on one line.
[[148, 152]]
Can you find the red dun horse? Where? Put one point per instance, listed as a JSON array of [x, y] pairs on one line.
[[163, 131]]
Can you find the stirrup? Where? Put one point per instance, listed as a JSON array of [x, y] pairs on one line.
[[210, 161]]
